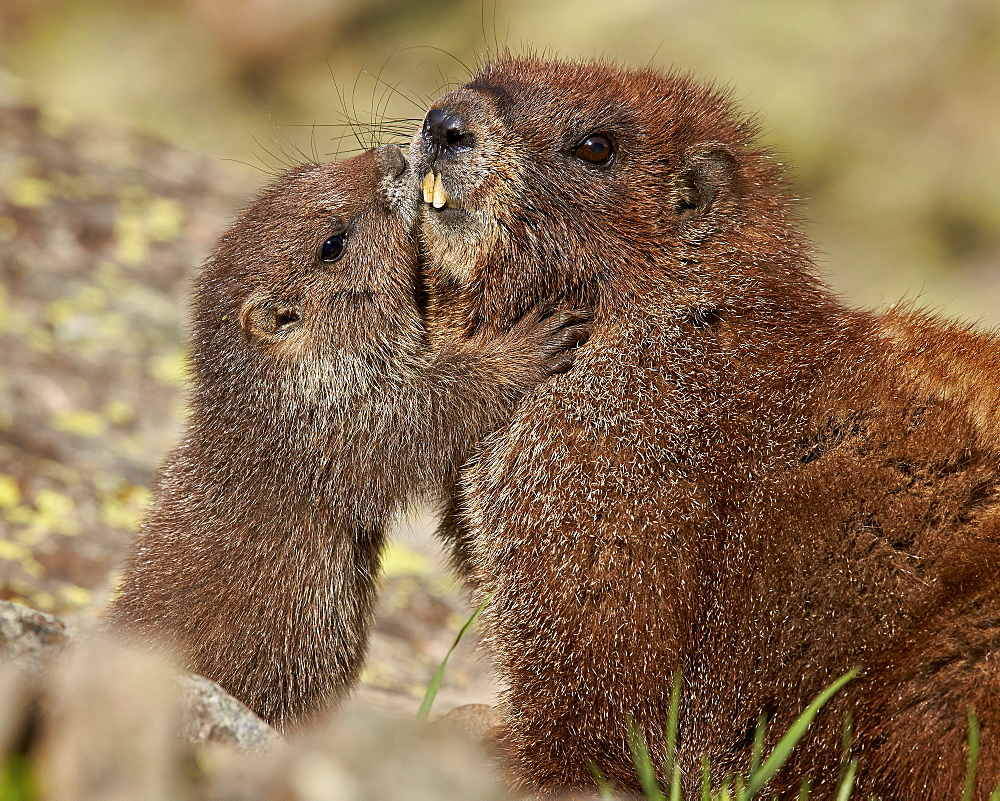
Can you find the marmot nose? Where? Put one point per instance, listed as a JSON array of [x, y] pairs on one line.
[[446, 130]]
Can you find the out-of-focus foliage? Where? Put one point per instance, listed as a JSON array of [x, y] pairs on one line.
[[889, 111], [99, 229]]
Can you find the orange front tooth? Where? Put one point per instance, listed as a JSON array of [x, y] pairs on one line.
[[440, 196], [429, 187]]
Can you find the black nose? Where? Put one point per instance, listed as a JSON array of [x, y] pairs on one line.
[[446, 130]]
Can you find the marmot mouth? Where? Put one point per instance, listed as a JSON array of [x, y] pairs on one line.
[[435, 194]]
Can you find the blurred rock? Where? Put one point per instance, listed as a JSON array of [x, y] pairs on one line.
[[365, 754], [472, 720], [16, 697], [207, 713], [27, 635], [211, 715], [96, 722], [109, 728]]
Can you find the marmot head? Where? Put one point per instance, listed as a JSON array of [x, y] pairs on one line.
[[557, 178], [278, 297]]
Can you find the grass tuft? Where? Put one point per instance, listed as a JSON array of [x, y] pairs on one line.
[[671, 765], [846, 785], [607, 791], [643, 763], [733, 788], [784, 747]]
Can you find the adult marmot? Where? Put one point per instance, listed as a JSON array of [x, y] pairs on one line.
[[741, 479]]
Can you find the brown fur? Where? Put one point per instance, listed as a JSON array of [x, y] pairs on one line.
[[741, 479], [316, 414]]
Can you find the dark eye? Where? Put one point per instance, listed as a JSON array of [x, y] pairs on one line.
[[596, 149], [332, 249]]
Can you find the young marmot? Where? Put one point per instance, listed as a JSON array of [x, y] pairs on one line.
[[315, 415]]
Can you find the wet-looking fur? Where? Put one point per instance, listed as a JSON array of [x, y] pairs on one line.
[[741, 479], [316, 413]]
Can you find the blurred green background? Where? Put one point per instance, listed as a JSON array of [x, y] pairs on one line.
[[889, 111]]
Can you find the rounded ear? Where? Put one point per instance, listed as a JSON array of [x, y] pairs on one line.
[[708, 174], [269, 319]]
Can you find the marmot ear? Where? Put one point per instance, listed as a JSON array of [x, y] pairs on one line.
[[268, 319], [708, 173]]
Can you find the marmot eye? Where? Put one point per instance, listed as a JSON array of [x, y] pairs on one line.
[[332, 249], [596, 149]]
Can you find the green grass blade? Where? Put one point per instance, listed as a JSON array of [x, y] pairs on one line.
[[846, 744], [432, 689], [16, 780], [675, 783], [758, 743], [607, 792], [672, 718], [846, 786], [706, 779], [790, 739], [673, 768], [995, 795], [642, 761], [970, 773]]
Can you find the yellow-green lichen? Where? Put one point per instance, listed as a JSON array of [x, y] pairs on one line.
[[21, 556], [20, 515], [132, 243], [118, 412], [10, 493], [39, 339], [37, 599], [29, 193], [12, 551], [169, 369], [82, 422], [125, 508], [399, 560], [56, 513], [32, 567], [144, 221], [74, 596], [164, 218]]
